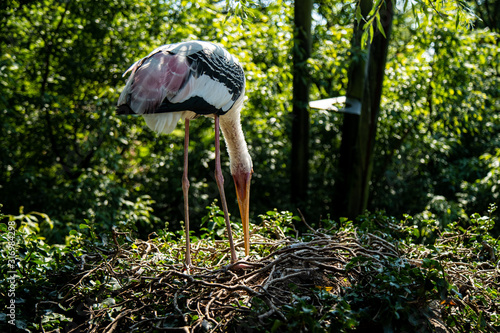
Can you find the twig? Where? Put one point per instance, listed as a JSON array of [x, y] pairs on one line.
[[304, 221]]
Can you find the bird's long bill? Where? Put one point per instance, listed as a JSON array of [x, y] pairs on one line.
[[242, 182]]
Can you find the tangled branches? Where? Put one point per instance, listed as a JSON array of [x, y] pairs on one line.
[[133, 289], [366, 277]]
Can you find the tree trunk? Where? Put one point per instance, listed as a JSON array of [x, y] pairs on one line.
[[366, 76], [300, 113]]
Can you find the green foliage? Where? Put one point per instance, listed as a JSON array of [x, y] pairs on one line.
[[400, 292], [104, 180], [66, 153], [439, 125], [216, 225], [26, 261]]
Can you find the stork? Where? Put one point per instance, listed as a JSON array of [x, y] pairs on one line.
[[186, 80]]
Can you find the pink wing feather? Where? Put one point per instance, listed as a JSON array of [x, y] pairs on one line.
[[194, 77], [158, 76]]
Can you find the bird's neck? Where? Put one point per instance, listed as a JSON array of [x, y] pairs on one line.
[[240, 159]]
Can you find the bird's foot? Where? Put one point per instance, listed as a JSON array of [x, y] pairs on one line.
[[188, 267], [241, 265]]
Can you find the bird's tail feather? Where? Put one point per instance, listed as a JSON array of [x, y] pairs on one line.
[[124, 109], [162, 122]]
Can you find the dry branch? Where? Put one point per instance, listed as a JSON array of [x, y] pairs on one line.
[[153, 296]]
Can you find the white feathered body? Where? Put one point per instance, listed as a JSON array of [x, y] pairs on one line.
[[183, 80]]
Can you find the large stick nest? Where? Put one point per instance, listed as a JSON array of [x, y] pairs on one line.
[[144, 286]]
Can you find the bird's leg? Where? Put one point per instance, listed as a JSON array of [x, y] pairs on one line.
[[185, 189], [220, 183]]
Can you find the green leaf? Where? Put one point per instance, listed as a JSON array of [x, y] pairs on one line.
[[359, 17], [364, 38], [379, 25]]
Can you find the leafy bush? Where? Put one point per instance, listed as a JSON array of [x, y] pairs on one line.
[[439, 124], [339, 277]]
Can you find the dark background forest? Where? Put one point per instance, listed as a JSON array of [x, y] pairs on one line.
[[65, 152], [410, 187]]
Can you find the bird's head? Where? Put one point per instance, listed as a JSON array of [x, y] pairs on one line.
[[242, 170]]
